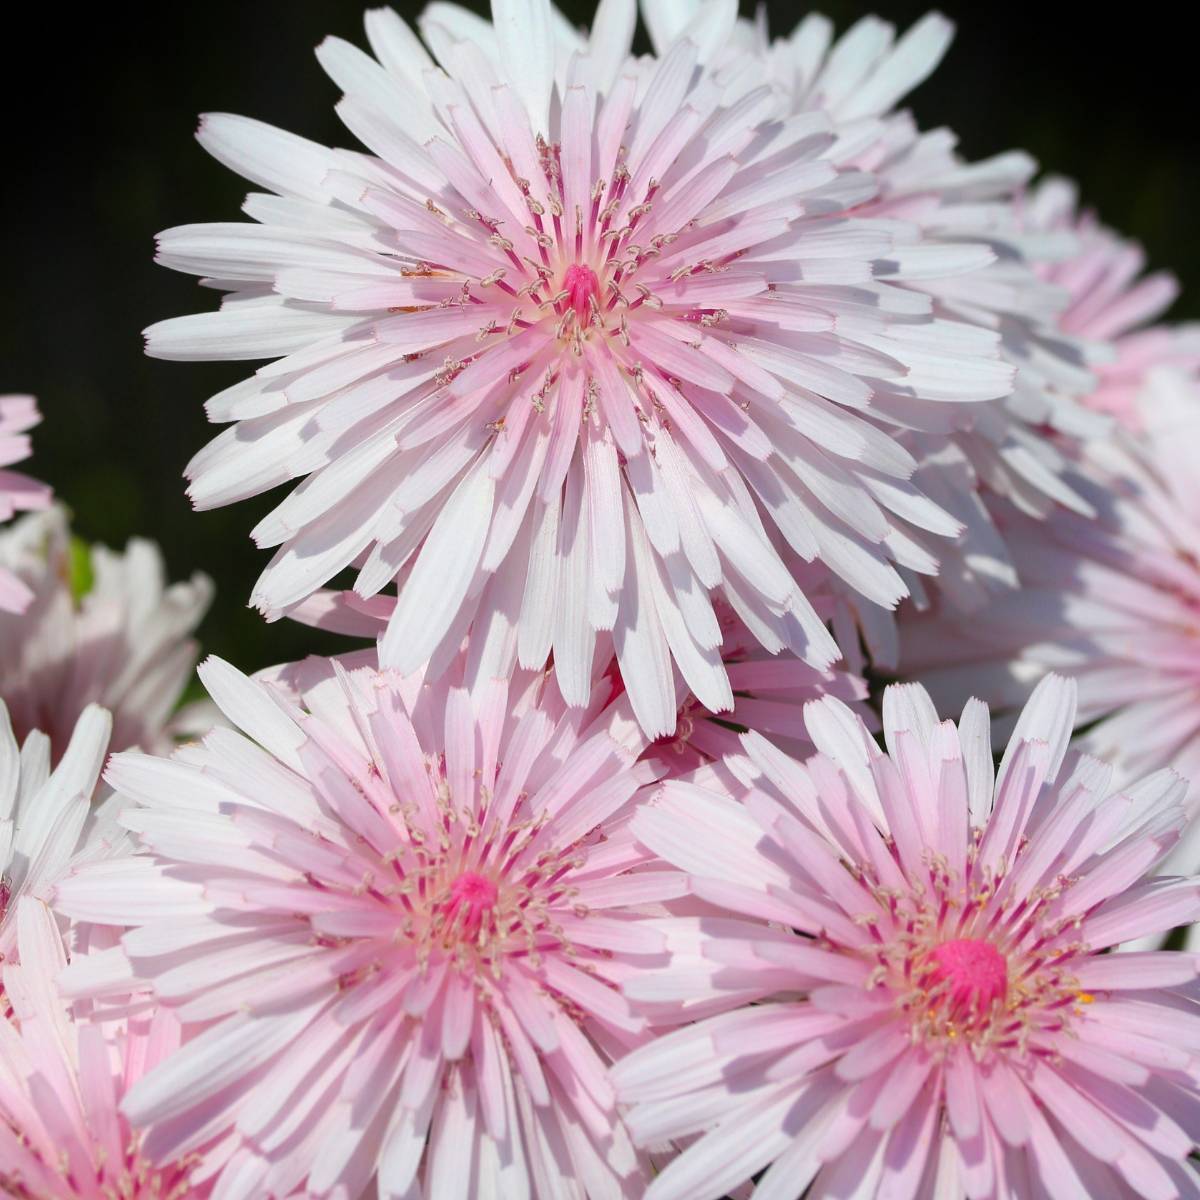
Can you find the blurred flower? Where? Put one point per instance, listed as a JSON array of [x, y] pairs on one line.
[[101, 627], [1114, 602], [1110, 305], [914, 960], [18, 493], [561, 354], [400, 923]]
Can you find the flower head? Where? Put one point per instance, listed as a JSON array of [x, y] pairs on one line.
[[913, 960], [570, 346], [121, 638], [18, 493], [403, 923]]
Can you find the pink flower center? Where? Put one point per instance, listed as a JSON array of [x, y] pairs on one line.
[[974, 973], [470, 903], [581, 285]]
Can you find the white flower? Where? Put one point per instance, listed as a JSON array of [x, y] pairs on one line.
[[583, 343]]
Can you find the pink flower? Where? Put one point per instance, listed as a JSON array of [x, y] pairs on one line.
[[120, 637], [398, 926], [561, 354], [47, 818], [63, 1135], [1113, 601], [1112, 303], [917, 999], [18, 493]]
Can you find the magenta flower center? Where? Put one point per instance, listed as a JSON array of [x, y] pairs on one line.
[[973, 973], [469, 905], [583, 290], [971, 960]]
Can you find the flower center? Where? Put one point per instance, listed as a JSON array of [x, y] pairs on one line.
[[972, 961], [583, 290], [973, 973], [469, 905]]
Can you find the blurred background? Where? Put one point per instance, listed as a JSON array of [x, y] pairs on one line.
[[97, 130]]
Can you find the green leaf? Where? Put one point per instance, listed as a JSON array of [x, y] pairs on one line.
[[79, 567]]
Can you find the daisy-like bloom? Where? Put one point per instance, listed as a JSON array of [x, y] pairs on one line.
[[402, 919], [63, 1135], [913, 960], [1111, 302], [1114, 602], [566, 347], [18, 493], [123, 643], [46, 817]]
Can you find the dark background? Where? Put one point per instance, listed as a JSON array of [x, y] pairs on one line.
[[97, 130]]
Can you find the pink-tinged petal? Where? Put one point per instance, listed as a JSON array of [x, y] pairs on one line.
[[729, 1154], [1085, 1122], [1102, 1062], [808, 962], [1056, 1170], [873, 1054], [963, 1099], [1006, 1098], [457, 1019], [1149, 1049], [908, 1147], [1138, 971], [1149, 908], [1132, 1112], [905, 1080]]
